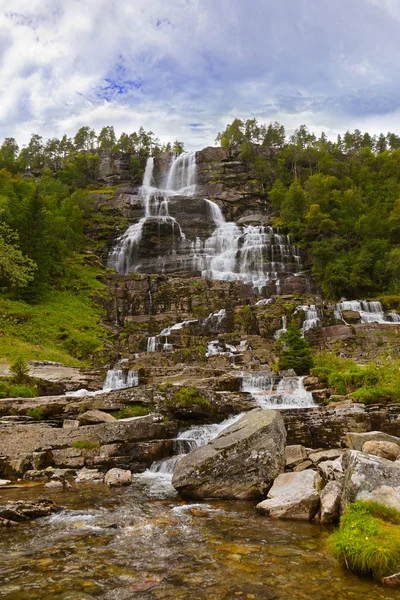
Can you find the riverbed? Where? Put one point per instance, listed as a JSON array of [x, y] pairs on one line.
[[144, 542]]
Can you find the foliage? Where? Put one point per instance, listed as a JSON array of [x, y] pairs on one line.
[[132, 411], [373, 383], [10, 390], [163, 387], [185, 396], [85, 445], [368, 540], [339, 200], [35, 413], [19, 370], [295, 353]]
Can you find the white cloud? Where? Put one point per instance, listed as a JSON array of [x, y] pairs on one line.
[[169, 65]]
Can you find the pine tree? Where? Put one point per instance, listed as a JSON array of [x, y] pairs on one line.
[[296, 352]]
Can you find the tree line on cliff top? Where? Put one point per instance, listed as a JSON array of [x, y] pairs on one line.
[[339, 200]]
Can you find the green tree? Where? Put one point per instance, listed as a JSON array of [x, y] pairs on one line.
[[19, 370], [295, 353]]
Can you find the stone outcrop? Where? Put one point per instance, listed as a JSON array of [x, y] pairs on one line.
[[387, 450], [95, 417], [364, 474], [293, 496], [241, 463], [356, 440]]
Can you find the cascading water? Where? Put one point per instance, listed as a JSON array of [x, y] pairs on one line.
[[311, 316], [180, 181], [272, 391], [283, 330], [116, 379], [370, 312], [255, 254]]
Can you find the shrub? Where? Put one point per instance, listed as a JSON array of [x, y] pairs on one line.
[[9, 390], [85, 445], [35, 413], [190, 395], [368, 540], [19, 370], [295, 353], [163, 387], [133, 411]]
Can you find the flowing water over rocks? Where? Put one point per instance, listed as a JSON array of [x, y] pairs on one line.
[[117, 545]]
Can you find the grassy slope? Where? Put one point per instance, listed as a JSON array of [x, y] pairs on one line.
[[65, 326]]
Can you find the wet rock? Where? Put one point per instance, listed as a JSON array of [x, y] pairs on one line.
[[25, 510], [89, 475], [293, 496], [311, 383], [241, 463], [351, 316], [94, 417], [54, 484], [365, 473], [330, 502], [294, 455], [392, 581], [319, 395], [4, 481], [323, 455], [387, 450], [356, 441], [117, 477]]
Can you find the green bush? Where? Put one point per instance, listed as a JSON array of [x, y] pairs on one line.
[[375, 395], [18, 390], [19, 370], [133, 411], [190, 395], [368, 540], [85, 445], [163, 387], [35, 413], [295, 353]]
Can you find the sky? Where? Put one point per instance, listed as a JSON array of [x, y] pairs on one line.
[[184, 69]]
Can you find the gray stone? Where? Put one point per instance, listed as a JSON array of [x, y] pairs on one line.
[[387, 450], [294, 455], [293, 496], [23, 510], [356, 441], [364, 473], [241, 463], [118, 477], [95, 417], [386, 495], [332, 470], [89, 475], [323, 455], [70, 424], [330, 502]]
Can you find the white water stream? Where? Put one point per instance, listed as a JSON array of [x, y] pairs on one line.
[[116, 379]]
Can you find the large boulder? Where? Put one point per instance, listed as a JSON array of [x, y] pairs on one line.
[[241, 463], [389, 496], [356, 441], [293, 496], [387, 450], [365, 473], [95, 417]]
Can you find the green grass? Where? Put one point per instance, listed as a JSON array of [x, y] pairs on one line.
[[17, 390], [132, 411], [369, 384], [85, 445], [65, 326], [35, 413], [368, 540]]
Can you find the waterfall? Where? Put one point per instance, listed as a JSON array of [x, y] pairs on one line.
[[370, 312], [181, 180], [154, 341], [272, 391], [253, 254], [118, 379], [282, 331], [311, 316]]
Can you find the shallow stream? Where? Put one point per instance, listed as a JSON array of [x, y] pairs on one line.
[[144, 542]]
